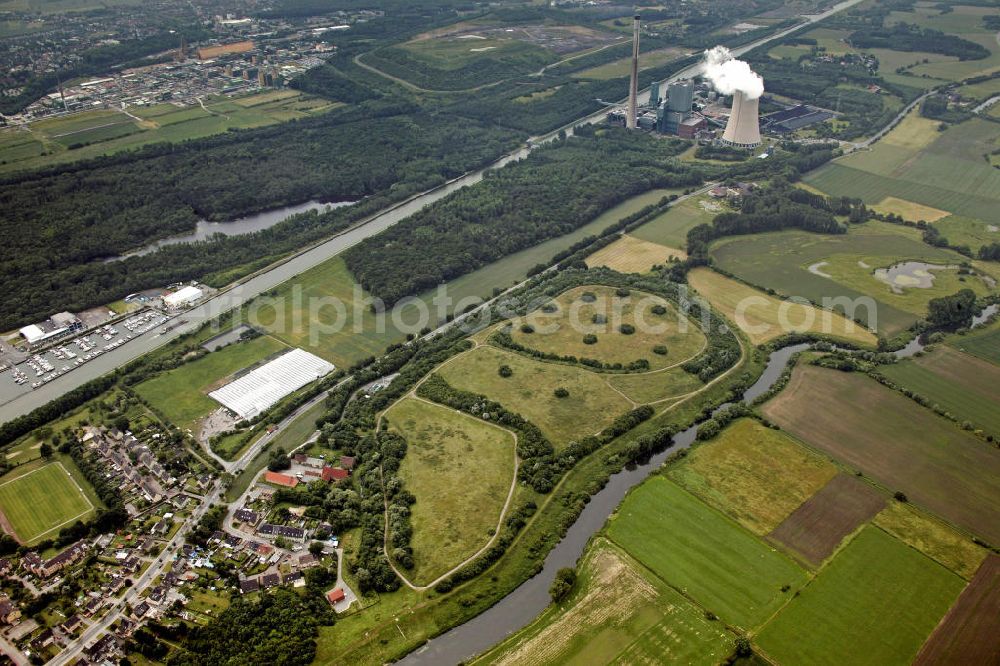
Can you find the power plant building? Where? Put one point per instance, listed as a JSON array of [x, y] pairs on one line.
[[743, 128]]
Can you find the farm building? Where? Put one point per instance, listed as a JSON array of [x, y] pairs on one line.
[[182, 297], [260, 388], [280, 479]]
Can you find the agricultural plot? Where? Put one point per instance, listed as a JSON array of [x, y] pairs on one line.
[[324, 311], [756, 475], [815, 529], [896, 442], [763, 317], [963, 385], [909, 210], [694, 548], [460, 469], [964, 21], [840, 270], [931, 537], [620, 614], [968, 231], [634, 255], [37, 503], [181, 394], [601, 312], [984, 344], [970, 632], [671, 227], [530, 391], [875, 603], [947, 173]]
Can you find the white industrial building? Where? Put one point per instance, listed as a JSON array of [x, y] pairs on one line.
[[262, 387], [182, 297], [57, 325]]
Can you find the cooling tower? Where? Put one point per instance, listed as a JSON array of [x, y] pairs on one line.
[[633, 86], [743, 128]]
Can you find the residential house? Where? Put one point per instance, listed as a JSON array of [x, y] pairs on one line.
[[247, 516], [334, 474], [335, 596], [141, 610], [9, 612], [269, 580], [280, 479], [46, 568], [248, 585]]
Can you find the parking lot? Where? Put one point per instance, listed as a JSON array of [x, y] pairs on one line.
[[40, 368]]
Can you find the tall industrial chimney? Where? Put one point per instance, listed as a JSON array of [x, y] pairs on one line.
[[743, 128], [633, 85]]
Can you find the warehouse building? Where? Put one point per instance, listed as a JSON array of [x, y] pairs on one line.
[[183, 297], [58, 325]]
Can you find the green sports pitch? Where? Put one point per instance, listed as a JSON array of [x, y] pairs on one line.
[[39, 503]]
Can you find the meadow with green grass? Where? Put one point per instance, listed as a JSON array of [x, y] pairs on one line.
[[981, 343], [875, 603], [530, 391], [39, 500], [671, 227], [327, 313], [94, 133], [843, 266], [181, 394], [460, 469], [622, 67], [961, 384], [719, 564]]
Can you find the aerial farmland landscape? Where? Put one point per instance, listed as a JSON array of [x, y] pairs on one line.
[[515, 332]]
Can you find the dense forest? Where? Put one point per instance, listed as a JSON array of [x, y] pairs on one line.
[[556, 190], [57, 222], [907, 37]]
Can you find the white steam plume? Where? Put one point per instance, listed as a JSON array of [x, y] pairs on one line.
[[729, 75]]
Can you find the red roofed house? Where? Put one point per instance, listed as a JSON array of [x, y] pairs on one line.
[[347, 462], [334, 473], [280, 479], [335, 595]]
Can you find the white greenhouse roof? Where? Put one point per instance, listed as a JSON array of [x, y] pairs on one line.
[[262, 387]]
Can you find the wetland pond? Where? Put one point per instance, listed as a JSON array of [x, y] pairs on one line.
[[910, 274]]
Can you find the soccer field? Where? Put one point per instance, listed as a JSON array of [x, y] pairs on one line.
[[40, 502]]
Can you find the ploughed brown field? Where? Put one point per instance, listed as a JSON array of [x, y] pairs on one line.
[[895, 441], [815, 529], [970, 632]]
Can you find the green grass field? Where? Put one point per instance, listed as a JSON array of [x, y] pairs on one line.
[[949, 173], [562, 332], [875, 603], [984, 344], [460, 470], [781, 261], [619, 613], [529, 391], [655, 387], [96, 133], [756, 475], [40, 501], [694, 548], [964, 21], [324, 311], [962, 384], [967, 231], [895, 442], [181, 394], [622, 67], [671, 227]]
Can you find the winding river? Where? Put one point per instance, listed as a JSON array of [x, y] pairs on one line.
[[525, 603]]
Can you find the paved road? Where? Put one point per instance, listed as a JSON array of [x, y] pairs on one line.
[[10, 650], [155, 569], [269, 278]]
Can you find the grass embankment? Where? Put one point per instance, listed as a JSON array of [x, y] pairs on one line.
[[460, 470]]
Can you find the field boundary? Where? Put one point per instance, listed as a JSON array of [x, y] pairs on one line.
[[9, 528]]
